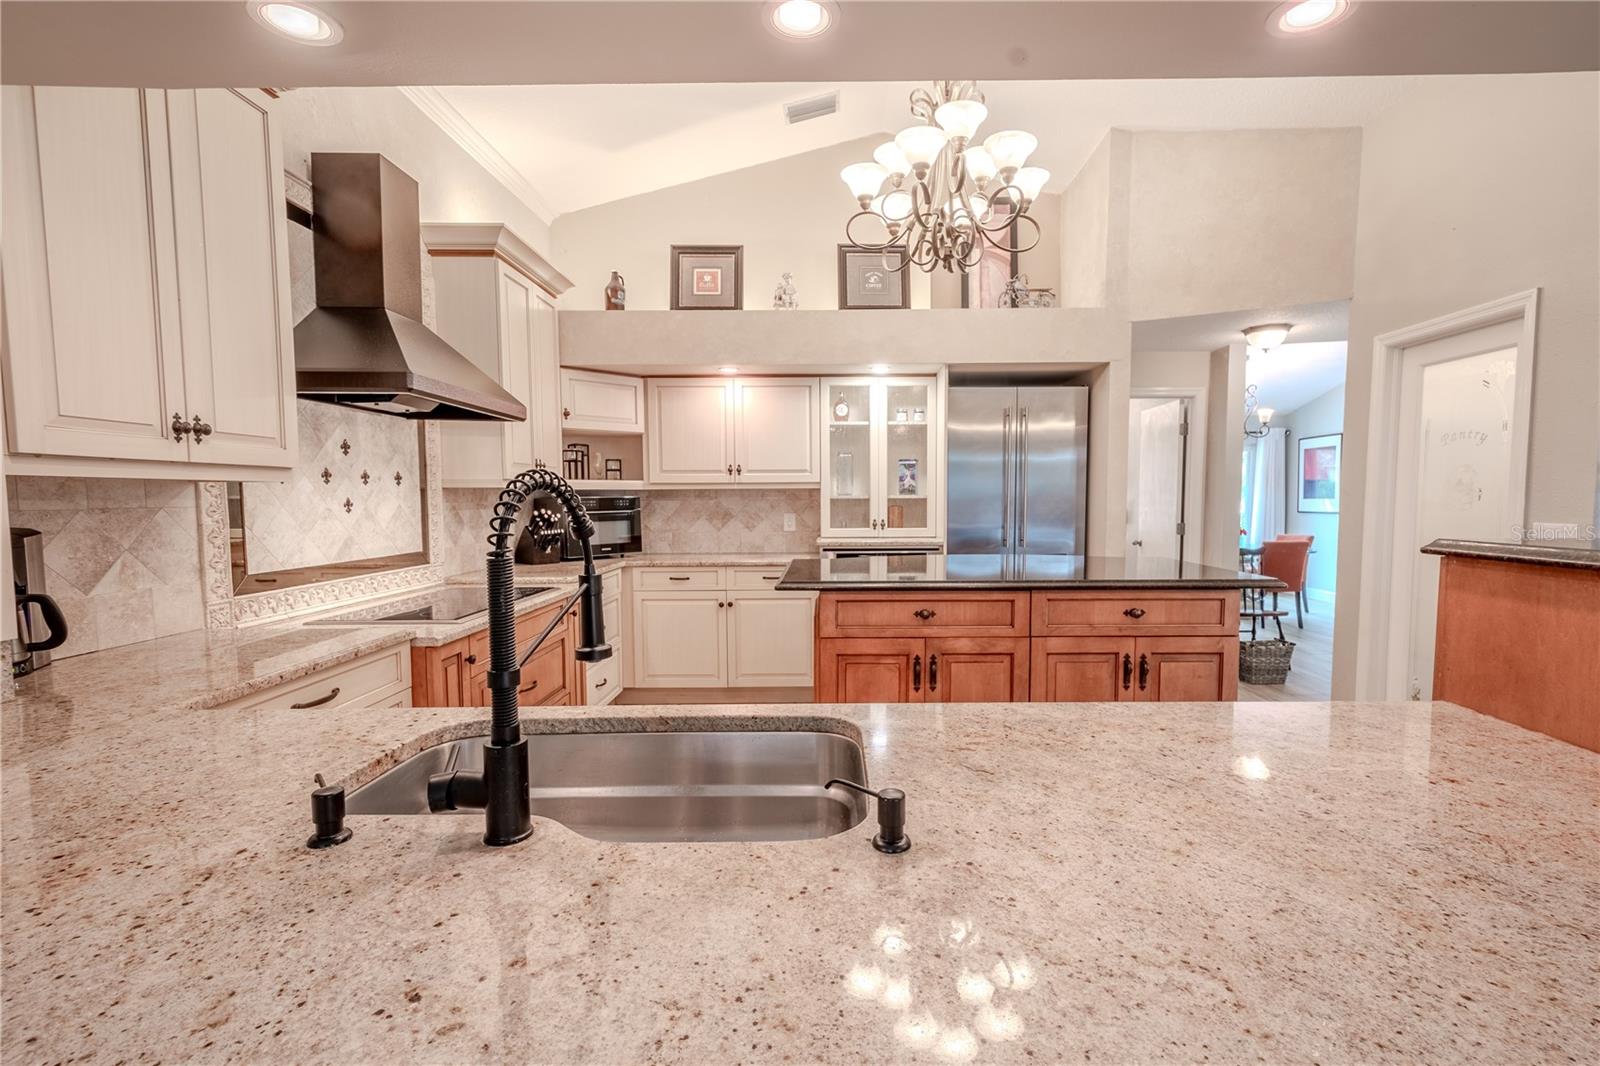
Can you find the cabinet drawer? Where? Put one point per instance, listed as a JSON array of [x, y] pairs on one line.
[[602, 680], [1172, 613], [909, 614], [765, 578], [703, 577], [544, 679], [360, 683]]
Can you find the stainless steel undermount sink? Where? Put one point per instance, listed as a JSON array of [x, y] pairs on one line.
[[693, 786]]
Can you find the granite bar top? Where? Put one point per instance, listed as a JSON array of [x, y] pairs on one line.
[[911, 572], [544, 573], [1576, 555], [1088, 882]]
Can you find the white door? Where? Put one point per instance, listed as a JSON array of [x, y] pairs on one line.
[[94, 346], [769, 638], [1155, 479], [690, 441], [775, 430], [233, 276], [608, 403], [544, 401], [679, 639], [1457, 396], [517, 301]]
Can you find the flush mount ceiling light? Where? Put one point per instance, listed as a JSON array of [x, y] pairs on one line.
[[1306, 16], [1265, 338], [801, 19], [727, 370], [298, 22]]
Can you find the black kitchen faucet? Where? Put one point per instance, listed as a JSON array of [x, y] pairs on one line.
[[501, 789]]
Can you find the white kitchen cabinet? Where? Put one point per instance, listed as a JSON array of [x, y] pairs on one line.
[[720, 431], [593, 402], [679, 639], [603, 680], [146, 274], [769, 638], [719, 627], [881, 474], [492, 296]]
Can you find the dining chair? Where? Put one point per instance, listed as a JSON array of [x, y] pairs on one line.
[[1286, 561], [1305, 598]]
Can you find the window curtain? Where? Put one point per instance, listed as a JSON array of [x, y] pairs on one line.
[[1269, 487]]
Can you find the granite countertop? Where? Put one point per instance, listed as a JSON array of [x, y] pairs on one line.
[[437, 634], [1577, 555], [1088, 882], [1012, 572], [543, 573]]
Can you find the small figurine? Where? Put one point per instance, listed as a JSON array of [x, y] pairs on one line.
[[616, 293], [786, 298]]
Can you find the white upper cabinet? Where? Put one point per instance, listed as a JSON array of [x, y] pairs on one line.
[[601, 403], [238, 340], [881, 458], [492, 302], [124, 315], [705, 431]]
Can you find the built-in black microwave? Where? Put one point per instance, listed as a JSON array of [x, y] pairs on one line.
[[618, 527]]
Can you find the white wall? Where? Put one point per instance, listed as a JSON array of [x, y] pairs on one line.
[[1171, 370], [1473, 189], [1323, 415], [1239, 219], [1224, 455], [454, 187], [1085, 223]]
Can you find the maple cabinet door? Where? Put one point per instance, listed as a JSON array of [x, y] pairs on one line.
[[1083, 669], [870, 671], [977, 670], [1173, 669]]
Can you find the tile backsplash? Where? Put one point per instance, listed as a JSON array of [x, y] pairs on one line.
[[122, 555], [675, 520]]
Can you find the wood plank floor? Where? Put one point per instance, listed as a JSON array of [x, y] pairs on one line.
[[636, 697], [1311, 669]]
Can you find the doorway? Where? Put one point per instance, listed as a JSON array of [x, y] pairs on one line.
[[1164, 500], [1451, 401]]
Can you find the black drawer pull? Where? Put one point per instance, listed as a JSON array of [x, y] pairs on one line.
[[916, 673], [924, 614], [1127, 671], [677, 577], [1144, 672], [329, 698], [1134, 612]]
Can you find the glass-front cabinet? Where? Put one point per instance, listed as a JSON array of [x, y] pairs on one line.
[[880, 476]]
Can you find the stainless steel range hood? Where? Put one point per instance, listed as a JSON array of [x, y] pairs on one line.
[[365, 344]]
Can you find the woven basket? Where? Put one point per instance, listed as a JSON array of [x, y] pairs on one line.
[[1264, 662]]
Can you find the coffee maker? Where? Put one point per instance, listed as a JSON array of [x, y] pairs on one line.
[[40, 625]]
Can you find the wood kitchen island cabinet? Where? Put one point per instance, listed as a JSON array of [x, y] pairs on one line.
[[455, 674], [937, 630]]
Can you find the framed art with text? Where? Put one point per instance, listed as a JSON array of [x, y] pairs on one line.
[[869, 279], [707, 277]]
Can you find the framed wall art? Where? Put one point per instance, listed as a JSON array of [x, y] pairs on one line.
[[707, 277], [869, 279], [1317, 475]]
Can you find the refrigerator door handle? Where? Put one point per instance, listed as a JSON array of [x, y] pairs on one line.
[[1005, 477], [1022, 490]]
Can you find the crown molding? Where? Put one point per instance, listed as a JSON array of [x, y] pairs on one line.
[[431, 102]]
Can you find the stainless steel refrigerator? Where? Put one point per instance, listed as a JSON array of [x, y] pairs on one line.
[[1018, 462]]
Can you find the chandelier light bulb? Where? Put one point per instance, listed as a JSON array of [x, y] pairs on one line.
[[980, 165], [1265, 415], [921, 145], [961, 118], [864, 180], [1029, 181], [895, 206], [1010, 149], [892, 159], [980, 206]]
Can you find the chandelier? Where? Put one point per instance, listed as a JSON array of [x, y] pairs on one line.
[[937, 194]]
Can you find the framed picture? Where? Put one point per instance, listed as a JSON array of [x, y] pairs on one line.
[[707, 277], [870, 279], [1320, 459]]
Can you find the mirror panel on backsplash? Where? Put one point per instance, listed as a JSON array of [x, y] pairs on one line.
[[355, 503]]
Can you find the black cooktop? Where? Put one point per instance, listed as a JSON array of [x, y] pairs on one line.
[[454, 604]]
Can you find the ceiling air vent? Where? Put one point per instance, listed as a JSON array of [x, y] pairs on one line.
[[816, 107]]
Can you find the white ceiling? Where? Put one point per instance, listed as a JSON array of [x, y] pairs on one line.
[[1329, 321], [581, 145], [1292, 375]]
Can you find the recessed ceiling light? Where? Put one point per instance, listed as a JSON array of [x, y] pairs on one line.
[[879, 368], [800, 18], [727, 370], [1304, 16], [298, 22]]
